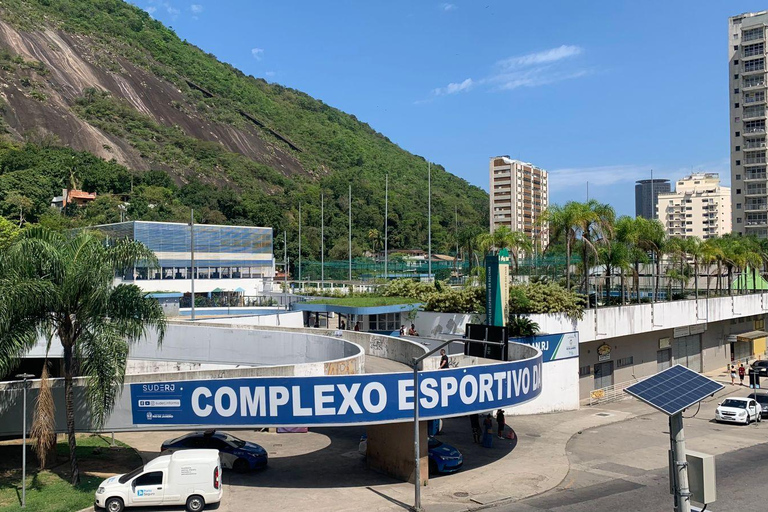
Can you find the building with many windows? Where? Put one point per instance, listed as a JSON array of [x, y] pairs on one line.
[[699, 207], [227, 258], [647, 194], [747, 81], [519, 196]]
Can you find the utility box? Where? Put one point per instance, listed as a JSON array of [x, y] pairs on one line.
[[701, 476]]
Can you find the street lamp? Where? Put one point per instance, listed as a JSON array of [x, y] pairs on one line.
[[24, 377]]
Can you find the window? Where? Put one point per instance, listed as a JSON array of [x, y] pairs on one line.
[[584, 371], [736, 76], [738, 162], [738, 220], [152, 478], [754, 65], [625, 361], [738, 148], [757, 126], [752, 34], [738, 134], [754, 80], [735, 47], [384, 322], [738, 191], [735, 105], [751, 50], [738, 206], [735, 61]]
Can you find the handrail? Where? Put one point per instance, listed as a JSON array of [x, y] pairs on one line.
[[612, 393]]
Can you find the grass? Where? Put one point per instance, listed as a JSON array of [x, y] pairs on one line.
[[50, 490], [364, 302]]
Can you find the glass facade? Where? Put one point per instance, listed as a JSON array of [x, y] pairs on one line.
[[221, 252]]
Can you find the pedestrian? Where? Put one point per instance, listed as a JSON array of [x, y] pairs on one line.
[[732, 369], [412, 331], [402, 330], [488, 432], [317, 322], [500, 423], [343, 326], [742, 372], [474, 420], [444, 360], [357, 326]]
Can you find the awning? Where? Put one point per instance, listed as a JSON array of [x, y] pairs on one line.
[[751, 335]]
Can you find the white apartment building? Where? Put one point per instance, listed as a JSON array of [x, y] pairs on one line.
[[698, 207], [747, 92], [519, 196]]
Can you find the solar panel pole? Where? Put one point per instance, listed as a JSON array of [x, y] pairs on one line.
[[679, 464]]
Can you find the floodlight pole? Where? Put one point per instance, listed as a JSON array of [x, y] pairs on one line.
[[679, 464], [416, 441], [192, 260], [24, 377]]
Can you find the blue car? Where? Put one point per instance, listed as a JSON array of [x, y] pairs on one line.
[[443, 458], [235, 453]]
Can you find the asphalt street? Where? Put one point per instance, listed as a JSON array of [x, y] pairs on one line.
[[621, 467]]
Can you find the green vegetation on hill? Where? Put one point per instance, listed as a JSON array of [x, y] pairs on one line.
[[334, 148]]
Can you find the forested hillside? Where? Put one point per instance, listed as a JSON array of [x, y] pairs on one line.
[[99, 91]]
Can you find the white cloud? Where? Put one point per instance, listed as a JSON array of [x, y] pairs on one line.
[[258, 53], [544, 57], [270, 74], [448, 7], [196, 8], [577, 177], [151, 9], [454, 88], [529, 70]]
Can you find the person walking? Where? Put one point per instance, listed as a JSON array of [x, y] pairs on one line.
[[474, 421], [500, 423], [488, 432], [742, 372], [357, 326], [732, 369], [444, 365], [402, 330]]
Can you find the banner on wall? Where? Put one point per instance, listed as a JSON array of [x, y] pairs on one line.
[[336, 400], [497, 288], [554, 347]]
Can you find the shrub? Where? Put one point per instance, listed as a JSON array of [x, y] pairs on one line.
[[546, 298]]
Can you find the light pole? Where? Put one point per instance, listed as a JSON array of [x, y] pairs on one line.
[[192, 259], [416, 441], [24, 377]]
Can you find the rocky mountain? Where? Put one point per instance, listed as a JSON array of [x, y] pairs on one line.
[[98, 91]]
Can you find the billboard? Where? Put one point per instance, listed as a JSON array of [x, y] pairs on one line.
[[336, 400], [554, 347]]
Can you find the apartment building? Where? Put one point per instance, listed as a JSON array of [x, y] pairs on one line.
[[698, 207], [647, 194], [519, 196], [746, 60]]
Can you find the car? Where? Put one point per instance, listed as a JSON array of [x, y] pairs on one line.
[[443, 458], [236, 454], [760, 367], [762, 399], [739, 410]]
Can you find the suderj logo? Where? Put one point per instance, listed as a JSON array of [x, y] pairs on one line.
[[149, 415]]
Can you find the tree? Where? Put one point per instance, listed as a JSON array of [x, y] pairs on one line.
[[652, 238], [504, 238], [54, 283], [19, 202], [8, 233]]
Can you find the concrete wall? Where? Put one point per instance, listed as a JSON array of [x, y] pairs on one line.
[[433, 324], [391, 448], [218, 344], [559, 389], [617, 321], [279, 319]]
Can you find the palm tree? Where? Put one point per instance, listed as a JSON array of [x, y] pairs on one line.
[[595, 224], [560, 222], [504, 238], [54, 283], [652, 238], [712, 252]]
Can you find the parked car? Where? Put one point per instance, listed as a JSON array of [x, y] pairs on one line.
[[739, 410], [761, 367], [191, 478], [762, 399], [443, 458], [235, 453]]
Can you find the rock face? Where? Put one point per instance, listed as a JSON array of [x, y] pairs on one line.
[[49, 70]]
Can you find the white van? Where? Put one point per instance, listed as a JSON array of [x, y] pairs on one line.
[[187, 477]]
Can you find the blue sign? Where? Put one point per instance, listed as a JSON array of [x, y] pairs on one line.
[[334, 400], [554, 347]]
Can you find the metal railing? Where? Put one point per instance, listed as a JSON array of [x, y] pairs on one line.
[[612, 393]]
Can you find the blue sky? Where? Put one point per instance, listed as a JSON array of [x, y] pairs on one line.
[[599, 91]]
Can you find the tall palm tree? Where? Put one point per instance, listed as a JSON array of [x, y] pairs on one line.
[[595, 227], [53, 283], [652, 238], [560, 222], [712, 253], [504, 238]]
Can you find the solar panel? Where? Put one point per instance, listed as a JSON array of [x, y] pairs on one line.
[[674, 389]]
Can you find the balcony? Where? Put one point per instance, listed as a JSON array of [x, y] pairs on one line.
[[754, 158], [755, 191], [752, 82], [758, 113], [754, 129], [760, 176]]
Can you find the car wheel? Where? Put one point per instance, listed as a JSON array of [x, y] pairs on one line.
[[241, 466], [114, 505], [759, 417], [195, 503]]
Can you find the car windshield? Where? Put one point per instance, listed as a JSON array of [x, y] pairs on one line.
[[762, 399], [237, 443], [760, 363], [739, 404], [434, 443], [130, 475]]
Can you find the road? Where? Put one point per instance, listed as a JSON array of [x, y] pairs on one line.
[[622, 467]]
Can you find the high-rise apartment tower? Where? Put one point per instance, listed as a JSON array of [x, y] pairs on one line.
[[699, 207], [747, 92], [519, 196], [646, 195]]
